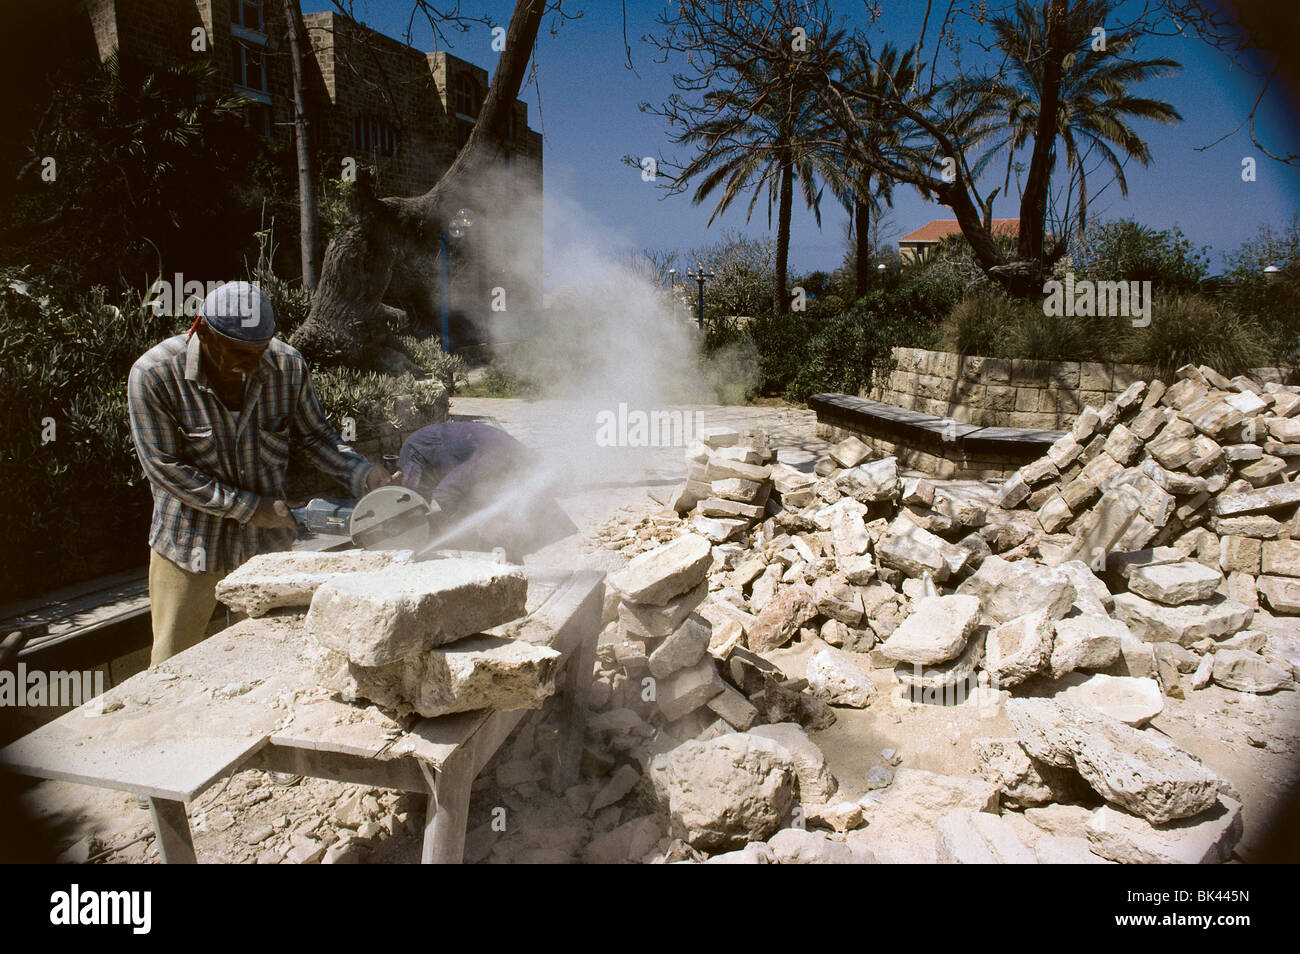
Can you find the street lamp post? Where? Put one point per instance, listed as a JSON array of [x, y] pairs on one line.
[[454, 232], [700, 276]]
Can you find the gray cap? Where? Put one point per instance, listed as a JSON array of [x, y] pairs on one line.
[[239, 310]]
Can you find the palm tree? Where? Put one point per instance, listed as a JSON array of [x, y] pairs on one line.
[[888, 75], [759, 136], [1093, 105]]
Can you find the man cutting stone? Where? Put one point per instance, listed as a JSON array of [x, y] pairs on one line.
[[213, 415], [491, 490]]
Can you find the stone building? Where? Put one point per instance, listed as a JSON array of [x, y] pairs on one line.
[[370, 98]]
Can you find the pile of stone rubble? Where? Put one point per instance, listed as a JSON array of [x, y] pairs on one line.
[[966, 602], [414, 637], [1204, 465]]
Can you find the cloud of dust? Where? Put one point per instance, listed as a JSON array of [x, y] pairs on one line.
[[610, 340]]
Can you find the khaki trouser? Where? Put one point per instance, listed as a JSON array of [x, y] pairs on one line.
[[181, 604]]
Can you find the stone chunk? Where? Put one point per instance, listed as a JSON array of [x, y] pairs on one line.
[[1247, 672], [850, 452], [743, 491], [719, 436], [734, 708], [1009, 589], [1239, 554], [1281, 593], [836, 677], [901, 827], [1281, 557], [964, 837], [1142, 772], [659, 575], [685, 647], [1086, 642], [1207, 839], [729, 509], [379, 617], [935, 632], [644, 621], [1212, 416], [720, 468], [1019, 648], [1257, 501], [717, 529], [945, 681], [798, 846], [1013, 492], [290, 578], [816, 783], [1259, 526], [1104, 525], [780, 618], [1123, 445], [1153, 622], [1023, 782], [1174, 584], [482, 672], [871, 482], [727, 791], [915, 552], [687, 689], [1132, 701]]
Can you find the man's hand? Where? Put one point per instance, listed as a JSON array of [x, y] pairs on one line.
[[378, 477], [271, 513]]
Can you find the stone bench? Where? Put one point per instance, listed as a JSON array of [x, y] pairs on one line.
[[938, 446]]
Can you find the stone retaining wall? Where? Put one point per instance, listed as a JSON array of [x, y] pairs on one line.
[[1013, 392]]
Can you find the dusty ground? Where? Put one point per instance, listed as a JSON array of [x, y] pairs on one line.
[[1254, 741]]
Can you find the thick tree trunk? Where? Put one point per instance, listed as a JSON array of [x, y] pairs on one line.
[[782, 297], [307, 205], [862, 260], [1033, 204], [398, 237]]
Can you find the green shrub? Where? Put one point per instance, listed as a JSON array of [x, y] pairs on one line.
[[450, 369], [851, 351], [1123, 250], [501, 380], [67, 460], [1272, 303], [781, 342], [1193, 329], [977, 325]]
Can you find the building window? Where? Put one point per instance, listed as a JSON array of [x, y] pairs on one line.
[[250, 68], [248, 14], [258, 119], [372, 135], [465, 95]]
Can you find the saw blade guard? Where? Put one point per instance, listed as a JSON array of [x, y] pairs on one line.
[[392, 518]]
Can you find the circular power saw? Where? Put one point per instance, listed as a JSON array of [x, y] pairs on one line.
[[390, 518]]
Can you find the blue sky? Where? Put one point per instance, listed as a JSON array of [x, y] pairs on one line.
[[590, 118]]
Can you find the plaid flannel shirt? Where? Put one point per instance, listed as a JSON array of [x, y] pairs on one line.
[[209, 467]]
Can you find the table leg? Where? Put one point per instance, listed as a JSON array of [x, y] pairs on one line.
[[172, 826], [577, 682], [448, 813]]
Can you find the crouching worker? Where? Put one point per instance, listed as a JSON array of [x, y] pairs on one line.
[[491, 490], [213, 414]]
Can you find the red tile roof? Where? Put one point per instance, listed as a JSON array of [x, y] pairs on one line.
[[942, 228]]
